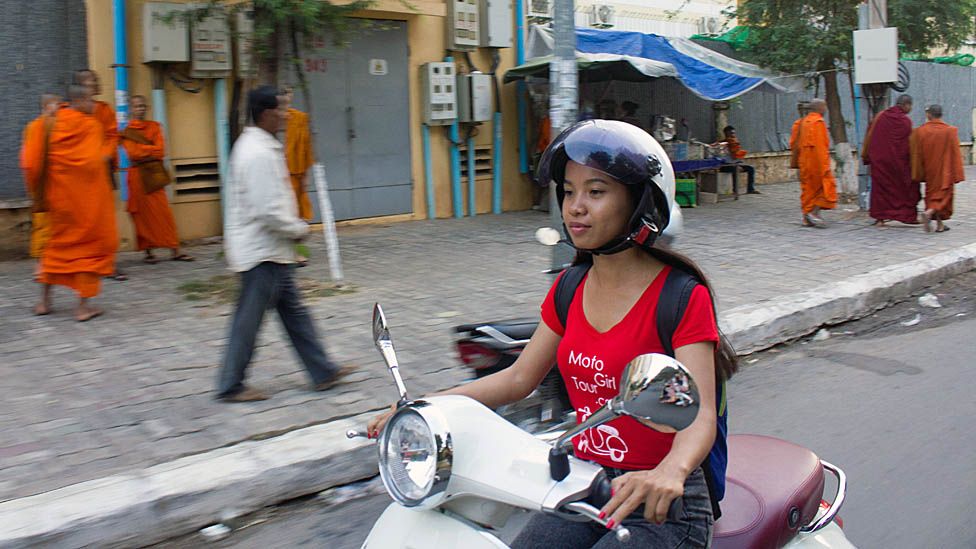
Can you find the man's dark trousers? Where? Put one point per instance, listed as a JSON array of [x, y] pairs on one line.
[[271, 285]]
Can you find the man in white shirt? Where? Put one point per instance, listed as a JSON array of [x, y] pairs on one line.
[[261, 228]]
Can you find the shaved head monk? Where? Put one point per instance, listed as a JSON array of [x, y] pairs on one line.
[[810, 143], [105, 115], [38, 130], [149, 207], [937, 160], [886, 149], [80, 206]]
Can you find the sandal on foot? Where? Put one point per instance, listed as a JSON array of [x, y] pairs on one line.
[[150, 260], [183, 257]]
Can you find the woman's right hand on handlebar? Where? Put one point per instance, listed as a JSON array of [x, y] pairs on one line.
[[376, 424]]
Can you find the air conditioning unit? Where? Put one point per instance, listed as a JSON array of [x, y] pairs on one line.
[[539, 10], [603, 16], [710, 25]]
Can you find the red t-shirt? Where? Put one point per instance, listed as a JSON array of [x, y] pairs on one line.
[[591, 364]]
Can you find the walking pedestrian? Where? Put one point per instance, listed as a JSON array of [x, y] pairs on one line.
[[886, 149], [261, 229], [937, 160], [106, 117], [148, 204], [811, 145], [68, 169]]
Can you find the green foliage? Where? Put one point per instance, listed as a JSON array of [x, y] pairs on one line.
[[796, 36], [927, 24]]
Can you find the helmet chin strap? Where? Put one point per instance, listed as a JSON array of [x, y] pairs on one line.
[[643, 236]]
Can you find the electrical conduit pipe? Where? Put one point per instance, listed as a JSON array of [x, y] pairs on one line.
[[121, 87], [428, 176]]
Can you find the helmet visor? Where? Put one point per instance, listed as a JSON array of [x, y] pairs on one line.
[[611, 150]]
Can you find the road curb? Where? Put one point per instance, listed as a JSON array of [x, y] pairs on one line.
[[759, 326], [175, 498]]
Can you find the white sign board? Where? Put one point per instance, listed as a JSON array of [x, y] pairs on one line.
[[876, 56]]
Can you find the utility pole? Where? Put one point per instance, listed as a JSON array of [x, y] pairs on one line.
[[563, 94], [872, 14]]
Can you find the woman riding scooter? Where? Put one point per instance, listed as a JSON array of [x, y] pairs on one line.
[[615, 201]]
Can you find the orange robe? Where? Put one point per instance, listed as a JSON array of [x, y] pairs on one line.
[[151, 214], [80, 207], [937, 160], [298, 152], [110, 128], [40, 225], [818, 188]]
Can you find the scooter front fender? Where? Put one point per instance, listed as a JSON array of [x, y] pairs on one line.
[[406, 528]]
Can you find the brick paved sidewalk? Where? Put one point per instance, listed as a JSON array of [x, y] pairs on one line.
[[133, 388]]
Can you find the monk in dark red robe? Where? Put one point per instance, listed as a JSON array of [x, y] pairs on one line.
[[937, 160], [886, 149]]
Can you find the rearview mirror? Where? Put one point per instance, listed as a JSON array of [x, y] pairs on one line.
[[548, 236], [653, 388], [384, 343]]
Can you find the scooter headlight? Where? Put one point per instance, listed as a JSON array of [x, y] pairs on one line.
[[415, 454]]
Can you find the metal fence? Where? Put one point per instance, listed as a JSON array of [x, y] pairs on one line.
[[763, 120]]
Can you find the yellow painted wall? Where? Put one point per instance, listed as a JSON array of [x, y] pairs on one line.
[[191, 118]]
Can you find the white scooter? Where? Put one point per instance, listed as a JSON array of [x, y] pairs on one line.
[[457, 471]]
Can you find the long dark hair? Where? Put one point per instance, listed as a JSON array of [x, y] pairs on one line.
[[726, 359]]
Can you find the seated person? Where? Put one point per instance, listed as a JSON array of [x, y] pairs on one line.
[[736, 155], [630, 114]]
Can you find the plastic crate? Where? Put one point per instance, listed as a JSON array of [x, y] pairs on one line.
[[684, 193]]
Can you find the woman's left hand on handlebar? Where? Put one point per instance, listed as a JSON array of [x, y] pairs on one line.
[[655, 489]]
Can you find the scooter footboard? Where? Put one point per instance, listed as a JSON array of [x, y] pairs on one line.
[[402, 527]]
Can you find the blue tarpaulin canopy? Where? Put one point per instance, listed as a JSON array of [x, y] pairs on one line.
[[708, 74]]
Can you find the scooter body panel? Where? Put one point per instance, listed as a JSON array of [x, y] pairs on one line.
[[404, 528], [828, 537]]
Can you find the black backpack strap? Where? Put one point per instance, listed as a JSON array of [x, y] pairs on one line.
[[566, 289], [672, 304], [671, 307]]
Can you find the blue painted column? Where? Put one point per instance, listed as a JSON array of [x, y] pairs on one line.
[[520, 88], [428, 175], [472, 188], [496, 172], [223, 135], [121, 87]]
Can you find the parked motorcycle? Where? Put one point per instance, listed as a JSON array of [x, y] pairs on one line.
[[450, 493]]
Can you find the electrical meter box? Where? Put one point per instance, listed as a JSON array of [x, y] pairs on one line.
[[474, 97], [463, 26], [496, 23], [876, 56], [210, 42], [439, 85], [164, 41]]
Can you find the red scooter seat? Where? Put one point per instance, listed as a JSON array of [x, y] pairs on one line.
[[772, 489]]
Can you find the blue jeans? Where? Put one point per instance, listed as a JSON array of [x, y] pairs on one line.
[[692, 528], [270, 285], [750, 176]]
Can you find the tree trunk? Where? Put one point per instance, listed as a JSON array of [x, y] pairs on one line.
[[846, 163], [269, 51]]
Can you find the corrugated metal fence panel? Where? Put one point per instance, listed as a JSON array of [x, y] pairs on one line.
[[43, 41], [763, 120]]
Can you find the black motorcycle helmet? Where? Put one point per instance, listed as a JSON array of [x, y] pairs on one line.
[[629, 155]]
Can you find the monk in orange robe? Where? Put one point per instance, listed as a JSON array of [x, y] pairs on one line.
[[936, 160], [105, 114], [37, 131], [818, 188], [84, 237], [298, 153], [151, 213]]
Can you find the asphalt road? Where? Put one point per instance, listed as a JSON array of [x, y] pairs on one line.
[[888, 399]]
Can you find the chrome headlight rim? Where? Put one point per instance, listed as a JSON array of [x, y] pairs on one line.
[[440, 437]]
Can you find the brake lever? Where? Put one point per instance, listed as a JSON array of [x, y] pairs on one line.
[[354, 433], [592, 513]]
